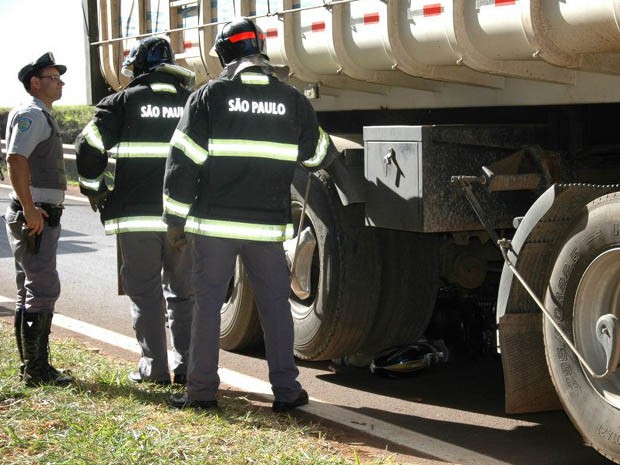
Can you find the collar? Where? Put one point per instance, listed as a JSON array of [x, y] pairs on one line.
[[36, 102], [166, 73], [234, 68]]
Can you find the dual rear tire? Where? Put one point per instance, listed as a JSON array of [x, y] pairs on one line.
[[370, 288]]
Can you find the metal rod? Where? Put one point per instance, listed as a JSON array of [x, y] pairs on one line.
[[465, 183], [217, 23], [301, 221]]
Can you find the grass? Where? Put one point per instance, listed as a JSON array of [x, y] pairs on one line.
[[104, 419], [72, 119]]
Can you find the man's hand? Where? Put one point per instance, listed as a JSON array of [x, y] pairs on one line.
[[97, 200], [176, 236], [35, 219]]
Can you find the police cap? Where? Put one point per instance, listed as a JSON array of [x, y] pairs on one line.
[[40, 63]]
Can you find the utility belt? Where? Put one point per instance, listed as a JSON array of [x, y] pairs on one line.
[[54, 212]]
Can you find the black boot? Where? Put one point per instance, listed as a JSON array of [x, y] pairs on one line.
[[17, 326], [58, 377], [35, 346]]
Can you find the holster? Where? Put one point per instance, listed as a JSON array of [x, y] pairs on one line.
[[54, 214], [33, 241]]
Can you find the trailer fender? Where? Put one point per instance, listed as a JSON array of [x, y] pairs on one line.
[[349, 181], [347, 169], [525, 227], [528, 386]]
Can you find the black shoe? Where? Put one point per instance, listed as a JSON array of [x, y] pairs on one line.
[[279, 406], [48, 376], [61, 377], [182, 401], [180, 379], [136, 377]]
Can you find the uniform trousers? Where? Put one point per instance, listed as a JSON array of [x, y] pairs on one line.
[[156, 277], [265, 264], [38, 285]]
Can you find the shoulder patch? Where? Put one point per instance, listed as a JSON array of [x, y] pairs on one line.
[[24, 123]]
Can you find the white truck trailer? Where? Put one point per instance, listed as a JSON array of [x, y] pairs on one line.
[[447, 112]]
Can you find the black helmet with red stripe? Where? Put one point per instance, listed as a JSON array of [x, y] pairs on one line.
[[239, 38]]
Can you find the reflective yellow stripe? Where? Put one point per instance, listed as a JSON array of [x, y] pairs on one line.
[[141, 150], [252, 148], [92, 184], [321, 150], [175, 207], [254, 79], [237, 230], [191, 149], [162, 87], [93, 136], [135, 224]]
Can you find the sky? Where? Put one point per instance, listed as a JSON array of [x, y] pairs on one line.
[[30, 28]]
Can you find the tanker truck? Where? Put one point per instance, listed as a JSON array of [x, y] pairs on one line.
[[479, 161]]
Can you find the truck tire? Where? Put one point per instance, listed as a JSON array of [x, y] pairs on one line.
[[584, 285], [240, 326], [409, 285], [337, 316]]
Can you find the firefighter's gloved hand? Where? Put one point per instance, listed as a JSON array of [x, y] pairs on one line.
[[97, 199], [176, 236]]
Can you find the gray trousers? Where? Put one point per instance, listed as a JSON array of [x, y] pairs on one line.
[[156, 277], [265, 263], [38, 285]]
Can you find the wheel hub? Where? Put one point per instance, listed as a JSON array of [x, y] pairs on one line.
[[301, 255], [597, 305]]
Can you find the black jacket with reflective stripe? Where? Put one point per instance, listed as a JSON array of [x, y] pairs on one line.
[[236, 148], [134, 126]]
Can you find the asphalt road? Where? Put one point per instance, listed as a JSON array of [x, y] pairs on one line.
[[452, 407]]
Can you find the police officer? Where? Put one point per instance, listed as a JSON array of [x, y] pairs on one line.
[[227, 182], [135, 126], [37, 173]]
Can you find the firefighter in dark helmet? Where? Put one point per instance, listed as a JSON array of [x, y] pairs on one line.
[[227, 186], [134, 126]]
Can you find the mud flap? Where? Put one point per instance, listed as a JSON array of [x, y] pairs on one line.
[[527, 384]]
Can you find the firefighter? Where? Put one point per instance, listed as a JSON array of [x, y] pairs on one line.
[[134, 126], [37, 173], [227, 184]]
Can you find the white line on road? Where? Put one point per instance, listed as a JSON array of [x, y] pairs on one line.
[[74, 197], [403, 437]]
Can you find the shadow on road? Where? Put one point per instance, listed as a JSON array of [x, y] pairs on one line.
[[525, 444], [474, 386], [473, 390], [6, 311]]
